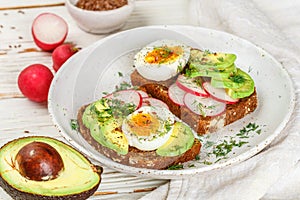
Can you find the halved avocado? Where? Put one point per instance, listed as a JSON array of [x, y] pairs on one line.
[[78, 179]]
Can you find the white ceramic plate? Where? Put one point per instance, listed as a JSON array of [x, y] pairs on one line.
[[89, 73]]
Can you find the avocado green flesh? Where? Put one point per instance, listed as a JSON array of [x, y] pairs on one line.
[[224, 83], [244, 91], [235, 79], [89, 117], [107, 133], [206, 60], [238, 84], [78, 176], [181, 140], [210, 72]]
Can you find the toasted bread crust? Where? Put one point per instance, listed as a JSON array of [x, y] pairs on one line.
[[200, 124], [136, 157]]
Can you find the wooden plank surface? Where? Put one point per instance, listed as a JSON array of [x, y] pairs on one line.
[[20, 117]]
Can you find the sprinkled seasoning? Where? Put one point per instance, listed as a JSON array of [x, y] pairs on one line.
[[74, 124], [175, 167], [123, 86], [221, 149]]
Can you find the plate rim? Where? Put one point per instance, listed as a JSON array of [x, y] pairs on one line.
[[184, 173]]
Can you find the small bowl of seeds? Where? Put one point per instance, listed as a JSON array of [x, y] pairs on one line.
[[100, 16]]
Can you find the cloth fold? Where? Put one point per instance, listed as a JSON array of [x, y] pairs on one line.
[[274, 173]]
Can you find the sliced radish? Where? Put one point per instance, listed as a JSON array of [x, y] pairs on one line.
[[149, 101], [49, 31], [176, 94], [127, 96], [190, 85], [205, 106], [218, 93], [143, 93]]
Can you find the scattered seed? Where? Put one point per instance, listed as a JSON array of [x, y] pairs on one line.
[[100, 5]]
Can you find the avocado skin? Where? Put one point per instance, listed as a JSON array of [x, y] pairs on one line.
[[21, 195]]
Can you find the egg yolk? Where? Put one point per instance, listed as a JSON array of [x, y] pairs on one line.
[[143, 124], [163, 54]]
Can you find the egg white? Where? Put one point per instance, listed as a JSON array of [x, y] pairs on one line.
[[165, 70], [156, 139]]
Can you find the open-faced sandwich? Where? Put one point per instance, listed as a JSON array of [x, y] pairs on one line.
[[177, 93]]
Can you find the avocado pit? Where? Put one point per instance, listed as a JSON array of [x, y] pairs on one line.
[[39, 161]]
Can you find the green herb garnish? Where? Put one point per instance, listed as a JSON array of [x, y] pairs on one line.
[[175, 167], [106, 108], [200, 107], [209, 144], [198, 82], [245, 131], [237, 78], [221, 149], [191, 165], [120, 109], [221, 59], [249, 69], [123, 86], [205, 162], [179, 68], [120, 74], [206, 52], [224, 148], [74, 124]]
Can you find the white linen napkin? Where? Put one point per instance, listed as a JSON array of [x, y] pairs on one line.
[[275, 172]]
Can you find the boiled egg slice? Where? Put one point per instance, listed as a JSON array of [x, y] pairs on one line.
[[162, 59], [148, 127]]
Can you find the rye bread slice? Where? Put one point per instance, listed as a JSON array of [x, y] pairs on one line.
[[136, 157], [202, 125]]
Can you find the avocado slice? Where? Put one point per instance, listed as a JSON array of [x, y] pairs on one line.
[[181, 140], [105, 128], [78, 179], [234, 79], [241, 92], [204, 63], [104, 120], [209, 72], [110, 135], [238, 84]]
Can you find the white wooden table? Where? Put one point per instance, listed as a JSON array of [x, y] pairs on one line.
[[20, 117]]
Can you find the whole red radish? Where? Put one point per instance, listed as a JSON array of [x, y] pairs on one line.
[[61, 54], [34, 82], [49, 31]]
